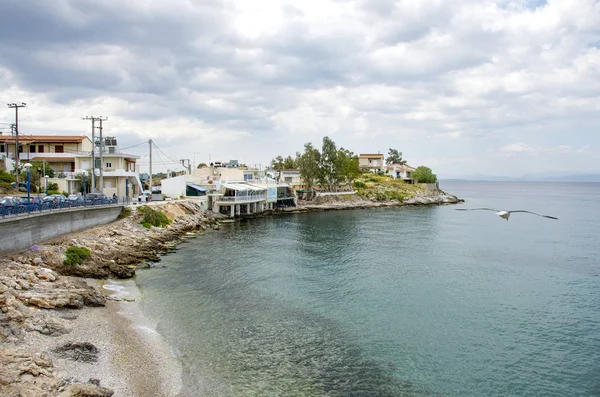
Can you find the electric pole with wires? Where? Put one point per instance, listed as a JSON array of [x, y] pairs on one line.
[[17, 159]]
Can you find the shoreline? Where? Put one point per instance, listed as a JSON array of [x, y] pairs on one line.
[[42, 309]]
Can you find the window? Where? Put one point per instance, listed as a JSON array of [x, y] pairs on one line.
[[20, 148], [40, 148], [108, 165], [2, 149], [31, 148], [59, 149], [288, 179]]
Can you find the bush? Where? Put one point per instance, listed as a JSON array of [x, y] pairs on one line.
[[6, 186], [424, 175], [76, 256], [359, 185], [6, 177], [153, 218], [125, 212]]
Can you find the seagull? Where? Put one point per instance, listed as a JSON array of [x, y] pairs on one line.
[[505, 214]]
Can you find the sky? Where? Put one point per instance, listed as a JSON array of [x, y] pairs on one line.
[[462, 86]]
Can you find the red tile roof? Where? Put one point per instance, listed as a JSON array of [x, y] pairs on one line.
[[43, 138]]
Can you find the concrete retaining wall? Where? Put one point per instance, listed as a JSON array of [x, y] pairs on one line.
[[431, 186], [26, 230]]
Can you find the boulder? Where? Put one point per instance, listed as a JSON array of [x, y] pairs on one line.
[[86, 390]]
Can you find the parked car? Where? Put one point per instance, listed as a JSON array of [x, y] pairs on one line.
[[7, 205], [75, 199], [96, 198]]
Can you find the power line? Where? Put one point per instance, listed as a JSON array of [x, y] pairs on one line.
[[129, 147], [162, 152]]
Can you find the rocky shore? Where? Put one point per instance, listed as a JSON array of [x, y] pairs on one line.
[[40, 318], [344, 202], [50, 347]]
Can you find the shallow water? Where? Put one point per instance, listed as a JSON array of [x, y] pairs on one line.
[[391, 302]]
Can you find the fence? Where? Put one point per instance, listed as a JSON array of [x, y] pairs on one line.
[[19, 209]]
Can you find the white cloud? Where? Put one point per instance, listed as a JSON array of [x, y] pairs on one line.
[[428, 77]]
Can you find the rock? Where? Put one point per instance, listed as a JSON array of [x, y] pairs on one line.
[[85, 352], [24, 284], [86, 390], [38, 261], [47, 327]]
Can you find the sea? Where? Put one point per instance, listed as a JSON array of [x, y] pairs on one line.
[[408, 301]]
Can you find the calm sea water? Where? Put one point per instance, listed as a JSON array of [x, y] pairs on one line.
[[392, 302]]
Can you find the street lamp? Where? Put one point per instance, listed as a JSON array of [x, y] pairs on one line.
[[46, 180], [28, 168]]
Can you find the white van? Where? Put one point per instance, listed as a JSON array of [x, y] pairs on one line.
[[145, 196]]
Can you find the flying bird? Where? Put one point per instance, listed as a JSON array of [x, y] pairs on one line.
[[505, 214]]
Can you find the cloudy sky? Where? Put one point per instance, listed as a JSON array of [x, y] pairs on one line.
[[463, 86]]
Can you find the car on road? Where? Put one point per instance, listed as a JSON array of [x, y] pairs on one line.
[[75, 199], [96, 198], [7, 205]]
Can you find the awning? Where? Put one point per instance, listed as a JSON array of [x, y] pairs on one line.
[[196, 187], [257, 188], [234, 186]]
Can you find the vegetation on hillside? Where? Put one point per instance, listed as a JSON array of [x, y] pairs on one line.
[[152, 217], [384, 188]]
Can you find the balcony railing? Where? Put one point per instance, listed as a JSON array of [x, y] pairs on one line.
[[240, 199]]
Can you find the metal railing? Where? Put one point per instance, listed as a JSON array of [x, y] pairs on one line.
[[239, 199], [33, 208]]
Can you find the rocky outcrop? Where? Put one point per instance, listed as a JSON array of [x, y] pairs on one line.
[[429, 199], [343, 202]]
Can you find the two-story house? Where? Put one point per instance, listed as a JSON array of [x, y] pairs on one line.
[[371, 162], [70, 155]]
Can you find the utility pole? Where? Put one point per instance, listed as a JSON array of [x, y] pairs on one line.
[[150, 144], [93, 184], [16, 107], [101, 154], [189, 167]]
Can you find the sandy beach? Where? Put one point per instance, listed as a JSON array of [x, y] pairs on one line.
[[132, 358]]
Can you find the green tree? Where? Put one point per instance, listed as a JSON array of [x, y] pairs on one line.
[[347, 165], [202, 165], [394, 157], [277, 163], [329, 174], [289, 163], [308, 164], [424, 175], [88, 182]]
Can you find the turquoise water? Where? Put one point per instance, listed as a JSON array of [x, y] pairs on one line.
[[392, 302]]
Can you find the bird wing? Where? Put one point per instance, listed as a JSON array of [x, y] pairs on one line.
[[534, 213], [476, 209]]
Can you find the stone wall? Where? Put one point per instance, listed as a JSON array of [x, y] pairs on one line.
[[26, 230]]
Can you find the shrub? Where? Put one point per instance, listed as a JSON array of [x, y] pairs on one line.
[[359, 185], [125, 212], [153, 217], [6, 177], [6, 186], [424, 175], [76, 256]]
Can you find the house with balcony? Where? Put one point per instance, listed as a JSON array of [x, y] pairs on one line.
[[70, 157], [292, 178], [371, 162], [400, 171]]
